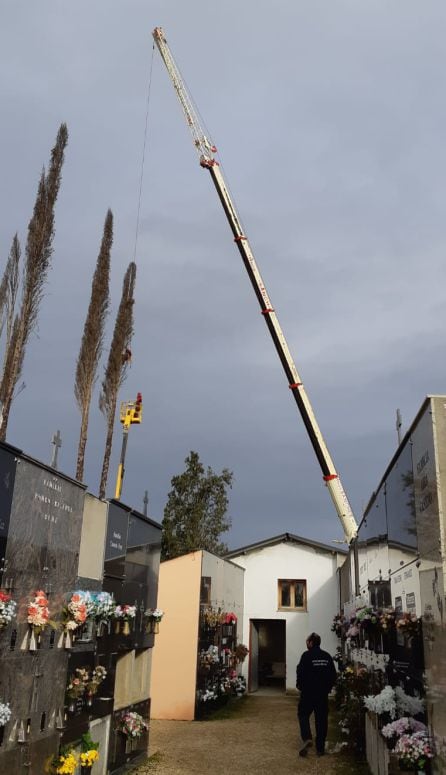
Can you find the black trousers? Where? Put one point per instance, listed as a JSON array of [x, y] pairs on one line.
[[318, 706]]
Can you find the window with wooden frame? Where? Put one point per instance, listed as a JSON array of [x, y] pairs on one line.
[[292, 594]]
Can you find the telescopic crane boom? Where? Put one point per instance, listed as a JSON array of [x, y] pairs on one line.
[[206, 152]]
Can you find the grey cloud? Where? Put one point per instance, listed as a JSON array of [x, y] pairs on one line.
[[330, 122]]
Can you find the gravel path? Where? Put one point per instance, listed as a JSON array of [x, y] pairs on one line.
[[259, 739]]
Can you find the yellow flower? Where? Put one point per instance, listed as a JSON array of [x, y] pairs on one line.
[[67, 764], [88, 758]]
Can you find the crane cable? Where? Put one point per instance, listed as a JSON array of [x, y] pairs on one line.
[[149, 88]]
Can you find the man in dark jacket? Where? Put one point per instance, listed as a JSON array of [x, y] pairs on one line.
[[315, 677]]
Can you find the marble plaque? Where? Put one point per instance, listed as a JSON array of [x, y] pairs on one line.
[[116, 540], [7, 476], [44, 530]]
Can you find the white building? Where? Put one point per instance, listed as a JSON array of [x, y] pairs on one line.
[[291, 590]]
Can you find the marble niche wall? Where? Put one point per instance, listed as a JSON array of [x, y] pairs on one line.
[[40, 529]]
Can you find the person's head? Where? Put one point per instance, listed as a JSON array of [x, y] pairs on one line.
[[313, 640]]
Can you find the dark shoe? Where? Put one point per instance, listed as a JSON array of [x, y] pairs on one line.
[[304, 750]]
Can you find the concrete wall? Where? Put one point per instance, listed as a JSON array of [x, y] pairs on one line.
[[227, 586], [174, 658], [291, 561]]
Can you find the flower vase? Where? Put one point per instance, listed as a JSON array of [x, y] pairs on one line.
[[85, 770], [32, 641], [128, 745], [126, 627], [100, 629], [117, 627], [154, 627], [68, 640], [71, 706], [89, 700]]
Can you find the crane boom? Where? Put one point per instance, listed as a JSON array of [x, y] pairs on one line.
[[206, 151]]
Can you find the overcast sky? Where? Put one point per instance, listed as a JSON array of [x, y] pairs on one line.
[[330, 122]]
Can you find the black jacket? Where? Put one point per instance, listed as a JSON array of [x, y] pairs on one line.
[[315, 673]]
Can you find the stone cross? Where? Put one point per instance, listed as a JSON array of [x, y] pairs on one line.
[[146, 502], [57, 443]]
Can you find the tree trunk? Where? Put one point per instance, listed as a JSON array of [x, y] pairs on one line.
[[107, 453], [82, 443]]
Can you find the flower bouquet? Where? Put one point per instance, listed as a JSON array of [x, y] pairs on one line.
[[401, 726], [38, 618], [7, 609], [387, 620], [382, 703], [125, 614], [154, 616], [76, 686], [209, 657], [5, 713], [338, 625], [367, 618], [87, 759], [74, 615], [414, 751], [133, 726], [353, 631], [407, 624], [210, 617], [104, 607], [64, 764], [89, 753], [206, 695], [241, 652], [406, 703], [229, 618], [94, 681]]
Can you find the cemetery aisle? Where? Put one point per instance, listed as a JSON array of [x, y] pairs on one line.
[[260, 738]]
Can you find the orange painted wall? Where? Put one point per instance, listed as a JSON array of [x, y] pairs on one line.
[[174, 657]]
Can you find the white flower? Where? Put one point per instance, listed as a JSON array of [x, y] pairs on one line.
[[5, 713], [384, 702], [407, 704]]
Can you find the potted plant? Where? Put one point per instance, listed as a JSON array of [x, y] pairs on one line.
[[154, 616], [38, 618], [89, 753]]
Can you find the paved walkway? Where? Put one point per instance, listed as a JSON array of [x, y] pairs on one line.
[[259, 739]]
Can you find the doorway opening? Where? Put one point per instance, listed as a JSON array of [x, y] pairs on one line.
[[267, 654]]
